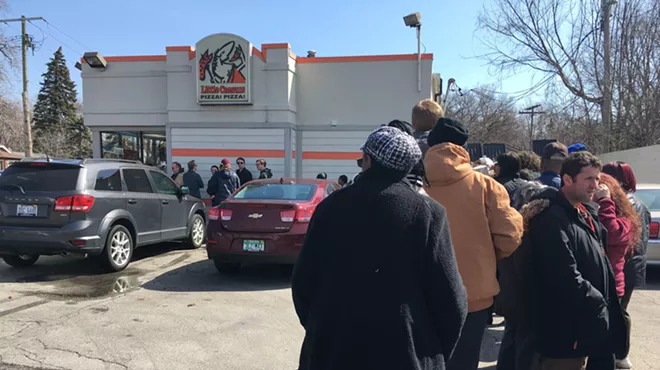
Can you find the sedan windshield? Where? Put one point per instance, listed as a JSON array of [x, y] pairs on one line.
[[650, 197]]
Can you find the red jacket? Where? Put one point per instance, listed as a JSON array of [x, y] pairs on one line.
[[619, 238]]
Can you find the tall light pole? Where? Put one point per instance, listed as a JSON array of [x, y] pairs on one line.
[[531, 111], [415, 20], [26, 42], [607, 73]]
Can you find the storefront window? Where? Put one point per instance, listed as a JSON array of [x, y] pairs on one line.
[[148, 147]]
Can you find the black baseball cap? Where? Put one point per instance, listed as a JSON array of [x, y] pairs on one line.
[[555, 151]]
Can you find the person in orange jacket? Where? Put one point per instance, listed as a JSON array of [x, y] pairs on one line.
[[484, 228]]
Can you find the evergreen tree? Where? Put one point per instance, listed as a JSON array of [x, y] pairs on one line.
[[55, 111]]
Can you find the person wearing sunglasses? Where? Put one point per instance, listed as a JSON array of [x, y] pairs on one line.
[[243, 173]]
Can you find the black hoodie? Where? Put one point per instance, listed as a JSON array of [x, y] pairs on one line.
[[222, 184]]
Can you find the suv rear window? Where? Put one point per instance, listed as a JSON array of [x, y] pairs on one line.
[[302, 192], [51, 179]]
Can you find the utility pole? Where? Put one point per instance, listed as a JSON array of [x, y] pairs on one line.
[[26, 42], [606, 106], [531, 111]]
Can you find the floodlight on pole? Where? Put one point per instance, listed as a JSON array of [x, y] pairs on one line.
[[415, 20], [95, 60]]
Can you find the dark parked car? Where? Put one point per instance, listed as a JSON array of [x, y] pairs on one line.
[[95, 207], [264, 221]]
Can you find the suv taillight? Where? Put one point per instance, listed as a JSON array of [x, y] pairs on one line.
[[75, 203], [654, 230]]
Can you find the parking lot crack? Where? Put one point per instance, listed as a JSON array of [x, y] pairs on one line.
[[109, 362]]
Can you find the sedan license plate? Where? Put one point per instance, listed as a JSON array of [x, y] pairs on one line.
[[27, 210], [253, 245]]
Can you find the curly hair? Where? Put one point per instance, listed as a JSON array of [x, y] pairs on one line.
[[623, 206], [529, 161]]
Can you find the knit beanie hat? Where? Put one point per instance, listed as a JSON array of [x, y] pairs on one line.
[[448, 130]]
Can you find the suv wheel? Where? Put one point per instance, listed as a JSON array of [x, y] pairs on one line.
[[23, 260], [118, 248], [197, 232], [223, 266]]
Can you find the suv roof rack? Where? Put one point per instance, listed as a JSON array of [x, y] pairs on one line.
[[110, 160]]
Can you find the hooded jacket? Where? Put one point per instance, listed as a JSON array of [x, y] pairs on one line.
[[221, 185], [575, 311], [266, 173], [636, 267], [484, 227], [390, 296], [619, 240]]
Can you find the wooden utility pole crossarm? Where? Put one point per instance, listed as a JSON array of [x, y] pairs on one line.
[[26, 42], [531, 111]]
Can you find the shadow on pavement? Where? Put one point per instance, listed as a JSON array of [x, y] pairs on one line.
[[55, 268], [202, 276]]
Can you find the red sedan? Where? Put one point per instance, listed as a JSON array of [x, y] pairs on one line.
[[264, 221]]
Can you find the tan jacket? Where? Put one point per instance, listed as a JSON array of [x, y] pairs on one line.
[[484, 227]]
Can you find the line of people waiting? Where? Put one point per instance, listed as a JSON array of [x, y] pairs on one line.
[[407, 280]]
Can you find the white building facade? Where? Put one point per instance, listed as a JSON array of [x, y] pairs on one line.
[[226, 98]]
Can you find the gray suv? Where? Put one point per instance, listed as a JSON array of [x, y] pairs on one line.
[[95, 207]]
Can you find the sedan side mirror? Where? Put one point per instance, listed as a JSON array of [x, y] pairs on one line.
[[185, 190]]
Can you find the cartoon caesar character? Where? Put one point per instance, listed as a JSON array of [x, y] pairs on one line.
[[228, 63]]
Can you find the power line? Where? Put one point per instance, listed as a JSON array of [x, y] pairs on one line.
[[67, 35], [62, 42]]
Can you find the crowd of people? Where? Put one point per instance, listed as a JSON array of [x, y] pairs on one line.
[[224, 180], [403, 268]]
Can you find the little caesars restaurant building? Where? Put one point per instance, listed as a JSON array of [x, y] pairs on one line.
[[226, 98]]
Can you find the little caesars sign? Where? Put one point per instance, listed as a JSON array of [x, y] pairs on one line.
[[223, 70]]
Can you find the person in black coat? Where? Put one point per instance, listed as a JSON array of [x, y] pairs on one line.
[[576, 315], [193, 180], [376, 284], [222, 184], [243, 173]]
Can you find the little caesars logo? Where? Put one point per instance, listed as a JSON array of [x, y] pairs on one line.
[[223, 63]]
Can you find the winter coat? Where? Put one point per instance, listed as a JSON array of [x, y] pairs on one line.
[[266, 173], [388, 297], [511, 184], [575, 311], [550, 178], [484, 227], [178, 178], [244, 175], [637, 264], [619, 239], [422, 138], [221, 185], [194, 182]]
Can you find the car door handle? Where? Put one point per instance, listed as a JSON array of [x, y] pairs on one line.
[[165, 201], [132, 201]]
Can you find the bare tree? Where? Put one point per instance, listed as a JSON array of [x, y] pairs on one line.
[[490, 117], [11, 124], [56, 142], [9, 49]]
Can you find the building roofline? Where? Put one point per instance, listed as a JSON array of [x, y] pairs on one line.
[[261, 54]]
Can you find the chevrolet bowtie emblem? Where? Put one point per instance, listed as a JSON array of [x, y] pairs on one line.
[[255, 215]]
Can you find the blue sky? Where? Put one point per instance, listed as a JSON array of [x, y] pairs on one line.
[[334, 28]]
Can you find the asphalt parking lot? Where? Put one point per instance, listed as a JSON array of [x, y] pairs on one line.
[[171, 309]]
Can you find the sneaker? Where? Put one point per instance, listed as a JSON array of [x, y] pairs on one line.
[[623, 364]]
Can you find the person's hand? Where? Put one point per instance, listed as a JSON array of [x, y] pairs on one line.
[[602, 192]]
